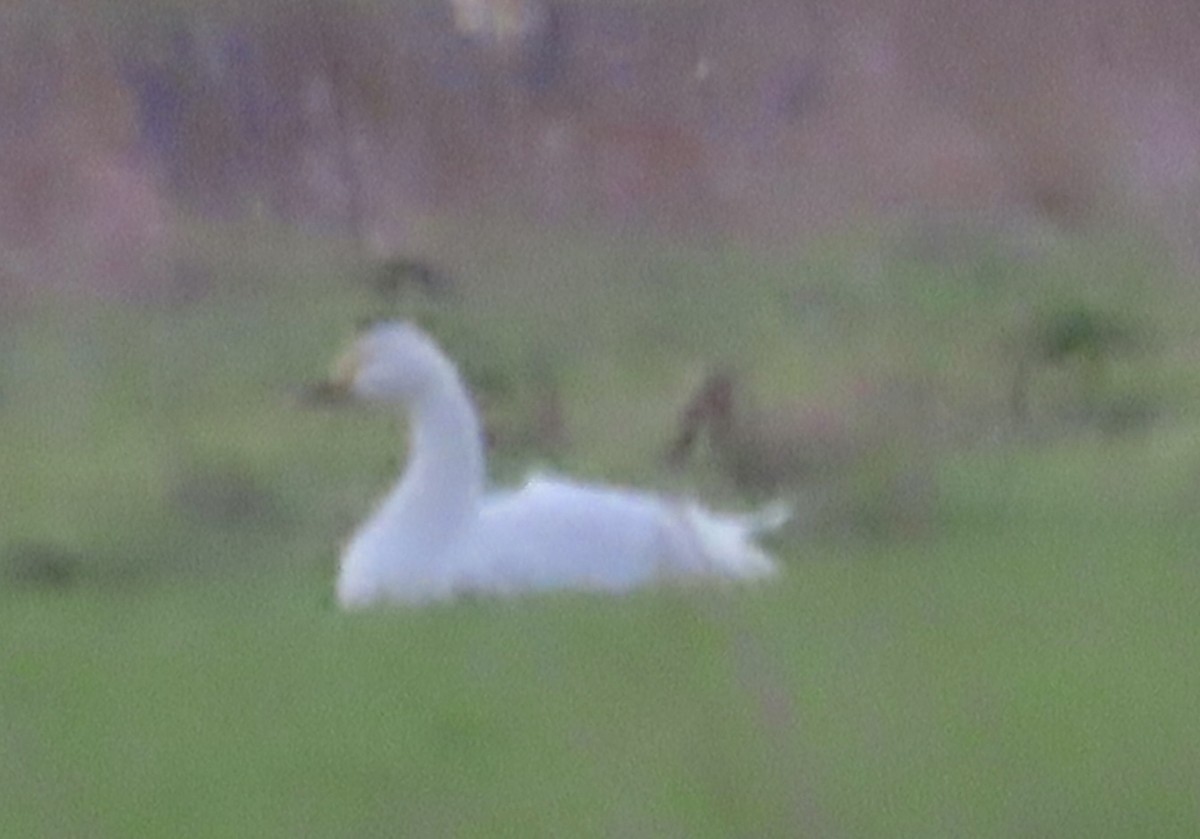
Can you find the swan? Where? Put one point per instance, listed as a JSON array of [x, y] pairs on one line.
[[439, 533]]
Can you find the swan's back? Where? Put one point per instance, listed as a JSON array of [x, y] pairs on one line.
[[560, 534]]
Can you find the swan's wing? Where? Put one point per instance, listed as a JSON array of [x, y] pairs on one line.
[[560, 534]]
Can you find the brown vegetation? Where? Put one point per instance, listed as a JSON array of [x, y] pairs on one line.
[[760, 449], [765, 118], [865, 466]]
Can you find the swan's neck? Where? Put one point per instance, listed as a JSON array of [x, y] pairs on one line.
[[434, 502], [441, 486]]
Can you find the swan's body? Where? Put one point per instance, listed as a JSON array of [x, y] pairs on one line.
[[438, 534]]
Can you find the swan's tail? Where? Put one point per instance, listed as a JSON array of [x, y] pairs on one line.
[[765, 519], [726, 541]]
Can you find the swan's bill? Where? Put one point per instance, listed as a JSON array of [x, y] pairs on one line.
[[338, 389]]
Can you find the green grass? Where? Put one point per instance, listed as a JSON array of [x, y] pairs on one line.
[[1022, 667]]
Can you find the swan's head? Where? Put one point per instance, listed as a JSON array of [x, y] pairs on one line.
[[391, 361]]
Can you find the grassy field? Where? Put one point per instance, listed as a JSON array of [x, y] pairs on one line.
[[1022, 664]]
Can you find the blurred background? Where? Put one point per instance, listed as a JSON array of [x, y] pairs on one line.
[[925, 268], [769, 120]]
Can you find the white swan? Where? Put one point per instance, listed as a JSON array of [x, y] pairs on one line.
[[437, 535]]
